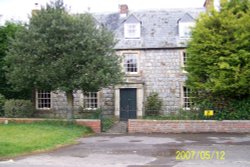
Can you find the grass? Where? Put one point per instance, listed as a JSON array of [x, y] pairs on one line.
[[18, 139]]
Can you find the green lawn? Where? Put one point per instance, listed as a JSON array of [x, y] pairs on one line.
[[17, 139]]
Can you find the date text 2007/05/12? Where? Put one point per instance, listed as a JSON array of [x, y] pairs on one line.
[[200, 155]]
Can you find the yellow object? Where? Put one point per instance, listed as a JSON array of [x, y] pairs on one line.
[[209, 112]]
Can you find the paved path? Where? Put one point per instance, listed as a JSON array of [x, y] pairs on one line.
[[119, 127], [145, 151]]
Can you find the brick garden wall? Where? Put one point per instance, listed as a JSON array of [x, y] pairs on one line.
[[188, 126], [94, 124]]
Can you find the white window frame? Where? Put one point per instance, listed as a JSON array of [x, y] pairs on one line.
[[186, 103], [88, 96], [183, 60], [132, 30], [38, 98], [185, 29], [125, 64]]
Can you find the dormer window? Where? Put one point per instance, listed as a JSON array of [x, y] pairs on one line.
[[185, 29], [132, 28], [184, 25]]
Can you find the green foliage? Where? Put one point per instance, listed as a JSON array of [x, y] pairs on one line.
[[17, 139], [2, 101], [233, 109], [59, 51], [6, 33], [18, 108], [218, 62], [153, 104], [107, 123], [180, 115], [62, 51]]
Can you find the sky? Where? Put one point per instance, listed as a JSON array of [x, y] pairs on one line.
[[21, 9]]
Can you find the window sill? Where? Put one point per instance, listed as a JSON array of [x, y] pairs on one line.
[[132, 75], [135, 38], [90, 109], [43, 108], [184, 72], [189, 109], [184, 38]]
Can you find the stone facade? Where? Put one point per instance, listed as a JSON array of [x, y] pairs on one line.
[[159, 71], [162, 73], [58, 105], [158, 47]]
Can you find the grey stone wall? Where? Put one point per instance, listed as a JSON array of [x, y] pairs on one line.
[[160, 70], [162, 73], [59, 104], [107, 103]]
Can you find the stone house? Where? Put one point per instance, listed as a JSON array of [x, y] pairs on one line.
[[152, 44]]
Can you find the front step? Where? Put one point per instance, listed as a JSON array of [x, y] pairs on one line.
[[118, 128]]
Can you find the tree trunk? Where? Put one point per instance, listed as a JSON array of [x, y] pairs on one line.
[[70, 105], [33, 97]]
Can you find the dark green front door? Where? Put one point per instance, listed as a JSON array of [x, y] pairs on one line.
[[127, 104]]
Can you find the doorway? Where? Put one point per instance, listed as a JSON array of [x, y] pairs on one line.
[[128, 104]]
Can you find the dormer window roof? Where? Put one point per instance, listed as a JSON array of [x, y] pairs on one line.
[[184, 25], [132, 28]]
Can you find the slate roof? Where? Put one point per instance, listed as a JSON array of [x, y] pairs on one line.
[[159, 28], [186, 18]]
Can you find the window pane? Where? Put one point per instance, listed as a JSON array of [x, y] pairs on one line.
[[132, 30], [43, 99], [90, 100], [184, 54], [186, 98], [130, 62]]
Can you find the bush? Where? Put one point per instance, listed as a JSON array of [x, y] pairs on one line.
[[2, 101], [229, 109], [18, 108], [180, 115], [153, 104], [236, 110]]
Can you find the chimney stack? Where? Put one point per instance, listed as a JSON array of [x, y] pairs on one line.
[[213, 4], [123, 10]]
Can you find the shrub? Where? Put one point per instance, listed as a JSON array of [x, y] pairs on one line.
[[2, 101], [230, 109], [18, 108], [180, 115], [153, 104], [236, 110]]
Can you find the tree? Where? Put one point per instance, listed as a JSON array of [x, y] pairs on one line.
[[59, 51], [6, 32], [218, 62]]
